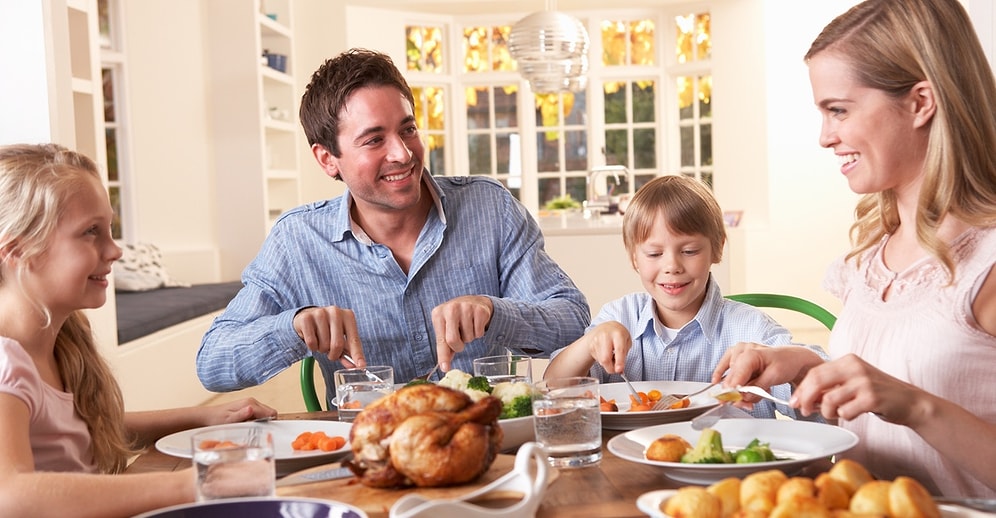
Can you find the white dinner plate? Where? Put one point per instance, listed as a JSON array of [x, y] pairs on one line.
[[798, 443], [260, 507], [625, 420], [650, 503], [284, 432]]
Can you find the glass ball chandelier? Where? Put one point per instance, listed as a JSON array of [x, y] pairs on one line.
[[551, 50]]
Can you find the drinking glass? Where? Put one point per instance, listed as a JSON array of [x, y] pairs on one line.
[[233, 461], [568, 421], [357, 388], [504, 368]]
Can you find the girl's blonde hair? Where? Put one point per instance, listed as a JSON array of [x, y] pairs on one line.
[[36, 181], [686, 206], [891, 45]]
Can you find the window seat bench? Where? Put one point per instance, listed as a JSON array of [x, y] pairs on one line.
[[142, 313]]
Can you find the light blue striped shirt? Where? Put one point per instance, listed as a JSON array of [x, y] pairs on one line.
[[484, 244], [697, 348]]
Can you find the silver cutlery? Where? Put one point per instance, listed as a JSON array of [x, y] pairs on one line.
[[370, 376]]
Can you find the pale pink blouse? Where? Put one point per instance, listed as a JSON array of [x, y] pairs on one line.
[[924, 334], [60, 440]]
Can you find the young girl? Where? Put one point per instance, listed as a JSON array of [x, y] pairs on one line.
[[64, 433], [680, 327]]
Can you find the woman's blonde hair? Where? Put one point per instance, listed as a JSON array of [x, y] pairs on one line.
[[36, 181], [891, 45], [685, 205]]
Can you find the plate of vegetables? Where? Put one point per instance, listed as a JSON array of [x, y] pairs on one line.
[[297, 444], [782, 444], [627, 416], [516, 418]]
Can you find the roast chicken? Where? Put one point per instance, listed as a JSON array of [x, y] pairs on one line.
[[425, 435]]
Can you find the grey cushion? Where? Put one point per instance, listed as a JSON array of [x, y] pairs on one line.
[[144, 312]]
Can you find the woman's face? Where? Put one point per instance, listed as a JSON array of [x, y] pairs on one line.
[[879, 140], [674, 269]]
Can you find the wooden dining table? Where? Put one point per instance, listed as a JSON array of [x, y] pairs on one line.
[[609, 489]]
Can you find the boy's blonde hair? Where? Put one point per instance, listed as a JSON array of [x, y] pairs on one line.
[[684, 204], [36, 181]]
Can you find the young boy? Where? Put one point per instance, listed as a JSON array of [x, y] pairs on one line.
[[680, 327]]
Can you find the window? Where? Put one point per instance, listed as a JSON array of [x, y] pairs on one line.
[[112, 61], [653, 112], [694, 95]]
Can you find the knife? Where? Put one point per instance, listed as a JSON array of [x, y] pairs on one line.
[[315, 476]]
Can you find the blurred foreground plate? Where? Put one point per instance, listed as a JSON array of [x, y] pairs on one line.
[[799, 443], [260, 507], [284, 432], [625, 420]]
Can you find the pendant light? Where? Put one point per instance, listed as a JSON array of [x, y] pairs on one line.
[[551, 50]]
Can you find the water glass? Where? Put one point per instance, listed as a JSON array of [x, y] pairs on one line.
[[504, 368], [568, 421], [357, 388], [233, 461]]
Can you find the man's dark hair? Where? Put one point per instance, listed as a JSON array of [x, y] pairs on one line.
[[333, 83]]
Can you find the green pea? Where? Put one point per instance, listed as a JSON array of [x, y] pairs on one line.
[[749, 456]]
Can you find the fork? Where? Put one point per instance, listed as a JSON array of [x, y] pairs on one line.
[[750, 389], [428, 374], [665, 402]]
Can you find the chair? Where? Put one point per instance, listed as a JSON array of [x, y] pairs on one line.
[[773, 300], [311, 401]]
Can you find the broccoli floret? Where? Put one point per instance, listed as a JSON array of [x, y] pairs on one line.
[[479, 383], [709, 450], [521, 406]]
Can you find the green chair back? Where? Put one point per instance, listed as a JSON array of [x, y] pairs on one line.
[[773, 300], [311, 401]]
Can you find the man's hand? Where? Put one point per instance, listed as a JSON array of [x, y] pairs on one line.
[[458, 321], [331, 331]]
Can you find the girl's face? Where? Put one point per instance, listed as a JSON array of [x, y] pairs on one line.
[[72, 272], [382, 150], [674, 269], [879, 140]]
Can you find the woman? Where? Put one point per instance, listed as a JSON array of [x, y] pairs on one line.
[[907, 99]]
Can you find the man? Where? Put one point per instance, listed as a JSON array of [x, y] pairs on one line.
[[403, 269]]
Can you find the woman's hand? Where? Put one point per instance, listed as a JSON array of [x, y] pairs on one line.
[[849, 386], [756, 364]]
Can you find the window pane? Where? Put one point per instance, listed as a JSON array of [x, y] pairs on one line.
[[705, 134], [616, 147], [506, 107], [575, 110], [686, 91], [645, 148], [576, 187], [424, 48], [478, 108], [437, 154], [111, 138], [576, 150], [615, 102], [705, 96], [501, 60], [693, 37], [644, 101], [479, 153], [547, 151], [549, 188], [503, 152], [613, 43], [107, 76], [642, 42], [435, 107], [475, 49], [687, 146], [114, 193]]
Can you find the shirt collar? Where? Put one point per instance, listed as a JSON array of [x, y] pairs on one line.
[[345, 221], [707, 318]]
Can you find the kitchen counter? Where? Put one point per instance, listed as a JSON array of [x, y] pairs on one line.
[[574, 223]]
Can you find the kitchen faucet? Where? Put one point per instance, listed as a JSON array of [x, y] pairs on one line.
[[596, 174]]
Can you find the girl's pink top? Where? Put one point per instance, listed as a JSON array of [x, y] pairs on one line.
[[60, 440], [923, 334]]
